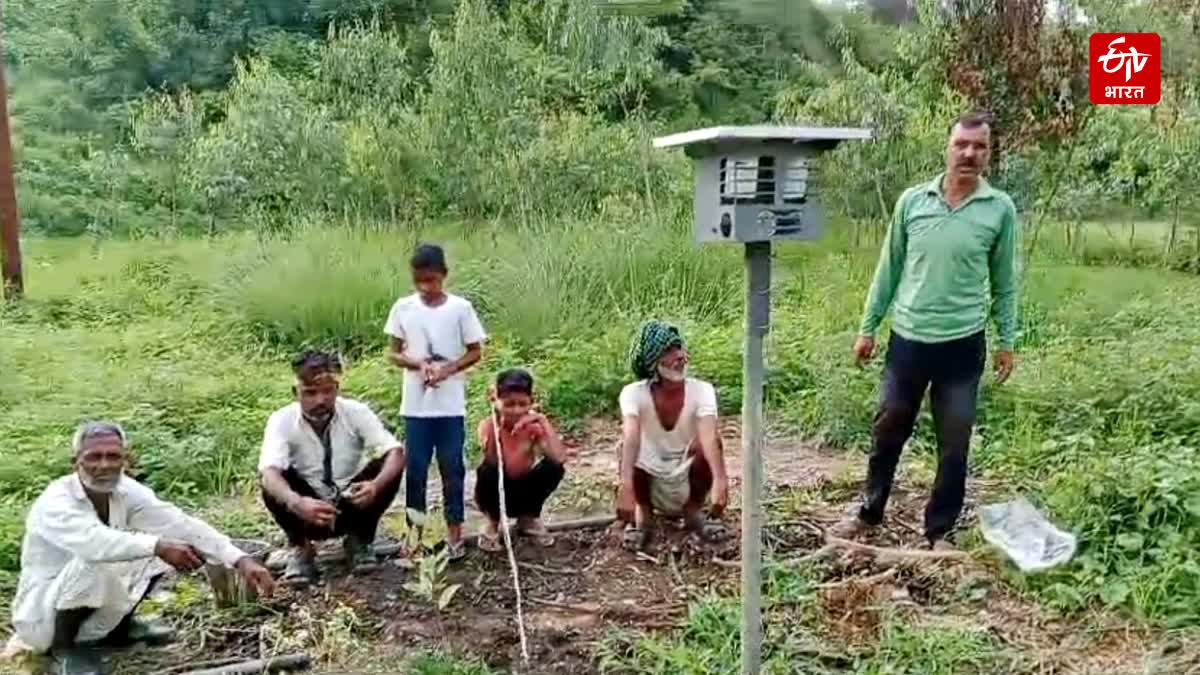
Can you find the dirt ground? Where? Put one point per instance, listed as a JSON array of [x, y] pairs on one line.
[[583, 586]]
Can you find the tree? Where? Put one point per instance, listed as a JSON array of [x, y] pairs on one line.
[[1009, 57]]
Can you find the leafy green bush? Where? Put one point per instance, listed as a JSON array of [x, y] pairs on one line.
[[272, 155]]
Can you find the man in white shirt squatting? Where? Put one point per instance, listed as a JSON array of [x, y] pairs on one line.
[[671, 454], [317, 479], [95, 543]]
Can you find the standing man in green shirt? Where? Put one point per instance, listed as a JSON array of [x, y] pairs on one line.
[[951, 243]]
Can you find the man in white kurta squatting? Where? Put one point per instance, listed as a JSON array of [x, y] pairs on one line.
[[95, 543], [672, 458]]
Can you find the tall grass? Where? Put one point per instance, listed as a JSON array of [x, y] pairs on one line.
[[322, 286]]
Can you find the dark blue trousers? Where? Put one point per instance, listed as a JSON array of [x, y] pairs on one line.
[[443, 437], [950, 372]]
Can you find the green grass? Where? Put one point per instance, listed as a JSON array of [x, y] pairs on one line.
[[797, 639], [187, 343], [443, 664]]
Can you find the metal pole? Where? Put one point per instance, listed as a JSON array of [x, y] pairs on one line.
[[10, 220], [758, 318]]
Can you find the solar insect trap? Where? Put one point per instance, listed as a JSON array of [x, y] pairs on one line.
[[756, 185]]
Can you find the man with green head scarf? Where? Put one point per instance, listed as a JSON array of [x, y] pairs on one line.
[[672, 458]]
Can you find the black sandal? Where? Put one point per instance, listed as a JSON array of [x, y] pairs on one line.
[[707, 532], [637, 538], [299, 572]]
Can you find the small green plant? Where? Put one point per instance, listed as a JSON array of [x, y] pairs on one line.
[[430, 584]]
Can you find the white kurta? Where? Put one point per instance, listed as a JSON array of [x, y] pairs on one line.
[[663, 453], [71, 559]]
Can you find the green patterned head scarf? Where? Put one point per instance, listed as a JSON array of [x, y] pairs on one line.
[[651, 342]]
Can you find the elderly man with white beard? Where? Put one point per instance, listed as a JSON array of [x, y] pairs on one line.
[[95, 543], [672, 459]]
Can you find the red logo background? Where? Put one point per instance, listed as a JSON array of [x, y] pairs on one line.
[[1101, 84]]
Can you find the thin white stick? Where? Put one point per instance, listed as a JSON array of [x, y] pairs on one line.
[[512, 558]]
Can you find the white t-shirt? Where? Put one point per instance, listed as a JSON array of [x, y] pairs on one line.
[[445, 330], [663, 453], [289, 441]]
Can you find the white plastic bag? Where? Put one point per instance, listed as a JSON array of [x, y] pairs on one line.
[[1025, 536]]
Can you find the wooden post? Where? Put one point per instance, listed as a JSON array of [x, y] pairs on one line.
[[758, 318], [10, 221]]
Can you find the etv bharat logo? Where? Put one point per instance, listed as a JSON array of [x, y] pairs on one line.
[[1125, 68]]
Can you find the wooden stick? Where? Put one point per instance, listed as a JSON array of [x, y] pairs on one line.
[[506, 531], [581, 523], [289, 662], [591, 523], [385, 550], [200, 664], [818, 554], [883, 555], [589, 608], [543, 568], [594, 608], [894, 553]]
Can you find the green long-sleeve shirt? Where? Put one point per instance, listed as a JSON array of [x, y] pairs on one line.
[[938, 264]]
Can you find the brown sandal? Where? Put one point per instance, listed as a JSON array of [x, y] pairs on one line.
[[489, 542], [540, 535]]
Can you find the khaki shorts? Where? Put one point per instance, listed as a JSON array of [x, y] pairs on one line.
[[669, 495]]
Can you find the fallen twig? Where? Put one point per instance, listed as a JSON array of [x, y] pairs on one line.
[[585, 608], [388, 550], [727, 564], [675, 571], [176, 670], [543, 568], [821, 553], [581, 523], [288, 662], [806, 523], [602, 610], [565, 525], [646, 556], [885, 554]]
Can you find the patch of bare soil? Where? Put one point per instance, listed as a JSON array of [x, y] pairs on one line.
[[572, 593]]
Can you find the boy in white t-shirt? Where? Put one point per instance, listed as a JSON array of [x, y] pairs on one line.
[[435, 337], [672, 457]]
